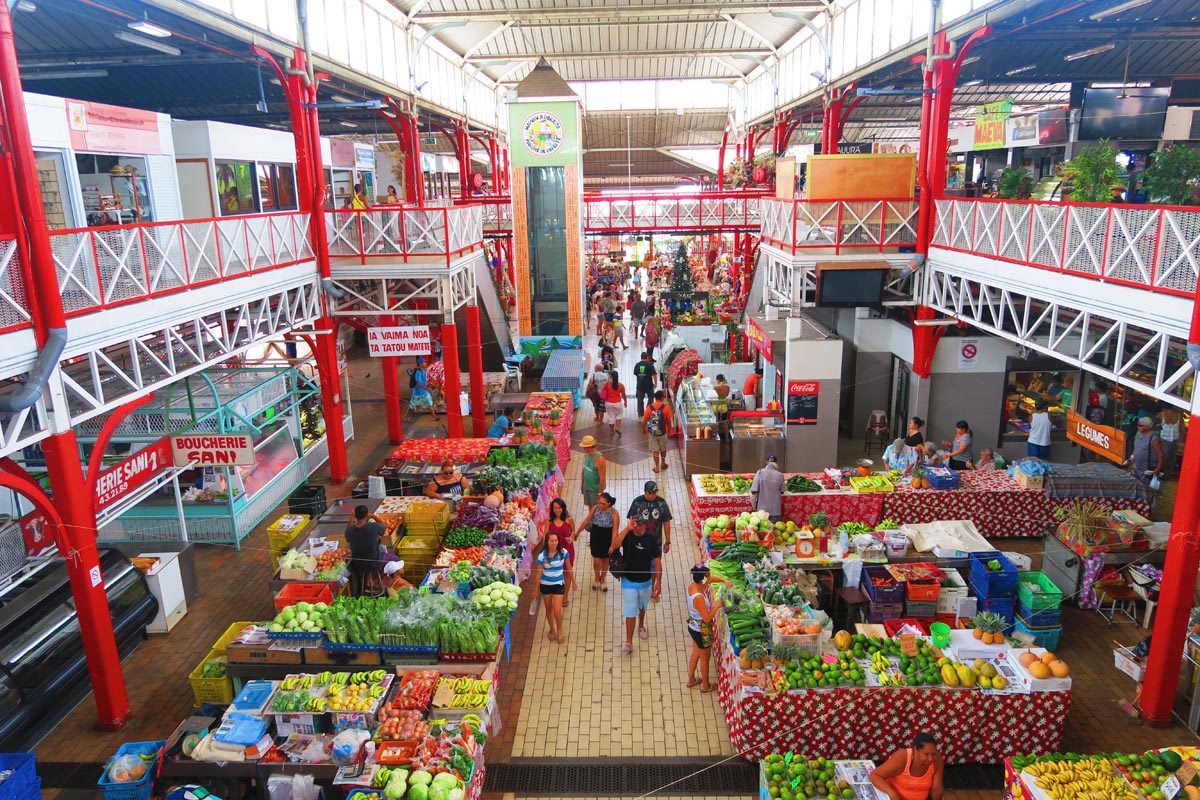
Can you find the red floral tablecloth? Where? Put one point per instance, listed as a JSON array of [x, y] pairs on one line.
[[864, 722], [560, 429], [456, 450], [996, 503]]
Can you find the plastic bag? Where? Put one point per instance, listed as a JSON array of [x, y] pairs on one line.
[[292, 787], [347, 744], [127, 769], [851, 572]]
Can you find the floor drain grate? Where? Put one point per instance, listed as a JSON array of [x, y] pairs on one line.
[[567, 777]]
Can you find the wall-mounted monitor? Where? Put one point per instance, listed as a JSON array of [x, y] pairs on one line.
[[851, 284], [1138, 113]]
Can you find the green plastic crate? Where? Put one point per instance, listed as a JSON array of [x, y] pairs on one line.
[[1049, 597]]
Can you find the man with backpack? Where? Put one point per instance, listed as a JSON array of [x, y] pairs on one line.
[[656, 421], [647, 380]]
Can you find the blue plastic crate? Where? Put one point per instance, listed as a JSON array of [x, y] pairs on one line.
[[133, 790], [1004, 606], [23, 782], [877, 613], [1042, 637], [1001, 583], [1048, 618], [942, 477]]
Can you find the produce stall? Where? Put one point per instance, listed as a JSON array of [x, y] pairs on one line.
[[1170, 772], [551, 413], [997, 504], [564, 372]]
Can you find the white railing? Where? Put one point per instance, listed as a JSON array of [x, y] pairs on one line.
[[1156, 248], [403, 233], [881, 225], [715, 211], [100, 268]]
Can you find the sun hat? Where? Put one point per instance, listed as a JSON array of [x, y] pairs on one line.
[[588, 441], [1149, 423]]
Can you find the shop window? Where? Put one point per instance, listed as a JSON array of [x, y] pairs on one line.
[[52, 181], [276, 187], [235, 187], [115, 189]]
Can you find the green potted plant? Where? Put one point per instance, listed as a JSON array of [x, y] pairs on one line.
[[1093, 174], [1174, 177], [1014, 184]]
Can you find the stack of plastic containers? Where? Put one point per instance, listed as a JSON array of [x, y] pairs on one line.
[[1039, 604], [995, 588]]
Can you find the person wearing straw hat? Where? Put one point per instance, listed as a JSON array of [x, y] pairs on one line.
[[595, 470]]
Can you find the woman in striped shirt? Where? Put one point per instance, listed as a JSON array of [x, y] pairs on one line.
[[555, 578]]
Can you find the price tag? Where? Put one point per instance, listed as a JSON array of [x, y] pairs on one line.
[[1186, 772], [795, 781], [787, 758], [908, 644], [1170, 787]]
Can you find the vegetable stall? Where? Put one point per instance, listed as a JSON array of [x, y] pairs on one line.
[[1170, 772]]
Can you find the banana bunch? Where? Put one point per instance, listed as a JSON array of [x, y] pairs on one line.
[[1091, 779], [882, 666], [294, 683], [472, 721], [316, 705], [374, 676], [323, 678], [469, 701]]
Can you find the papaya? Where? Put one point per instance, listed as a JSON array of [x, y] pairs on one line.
[[842, 641], [949, 676]]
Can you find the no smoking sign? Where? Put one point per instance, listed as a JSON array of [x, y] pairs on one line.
[[968, 354]]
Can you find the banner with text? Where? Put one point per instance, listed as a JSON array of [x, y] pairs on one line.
[[119, 481], [990, 122], [112, 129], [213, 449], [544, 133], [404, 341], [802, 397], [760, 338], [1108, 442]]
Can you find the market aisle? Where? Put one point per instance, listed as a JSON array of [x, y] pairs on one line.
[[585, 698]]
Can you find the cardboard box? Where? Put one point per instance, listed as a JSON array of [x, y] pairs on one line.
[[358, 658], [273, 653], [954, 588], [1027, 481]]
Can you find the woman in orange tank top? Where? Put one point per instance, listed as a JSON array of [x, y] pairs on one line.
[[914, 773]]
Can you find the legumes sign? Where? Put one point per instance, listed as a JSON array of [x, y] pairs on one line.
[[1108, 442]]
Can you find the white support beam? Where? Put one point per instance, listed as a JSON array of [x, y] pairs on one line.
[[697, 11], [731, 19], [475, 48]]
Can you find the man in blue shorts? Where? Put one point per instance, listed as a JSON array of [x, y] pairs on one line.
[[643, 557]]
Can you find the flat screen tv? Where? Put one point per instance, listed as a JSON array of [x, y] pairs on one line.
[[850, 288], [1123, 113]]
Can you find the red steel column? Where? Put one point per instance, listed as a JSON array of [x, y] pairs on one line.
[[62, 451], [463, 148], [452, 382], [475, 365], [391, 393]]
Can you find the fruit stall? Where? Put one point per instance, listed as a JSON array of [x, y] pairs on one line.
[[780, 666], [999, 505], [795, 776], [1153, 775]]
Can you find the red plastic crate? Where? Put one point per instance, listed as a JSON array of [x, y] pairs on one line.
[[303, 593], [893, 626]]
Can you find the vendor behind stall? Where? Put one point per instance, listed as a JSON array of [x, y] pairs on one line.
[[449, 485], [500, 424], [900, 456], [914, 773]]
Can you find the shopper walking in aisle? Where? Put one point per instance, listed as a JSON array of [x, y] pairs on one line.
[[767, 489], [562, 525], [619, 325], [554, 579], [601, 520], [646, 381], [595, 384], [615, 402], [914, 773], [652, 334], [701, 610], [656, 422], [598, 308], [641, 560], [1170, 432], [1148, 459], [420, 398], [364, 534], [1038, 443], [653, 512], [637, 314], [595, 471]]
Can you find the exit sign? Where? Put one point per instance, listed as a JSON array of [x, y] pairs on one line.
[[428, 141]]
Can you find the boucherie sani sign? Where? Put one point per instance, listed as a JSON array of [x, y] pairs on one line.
[[411, 341], [213, 450]]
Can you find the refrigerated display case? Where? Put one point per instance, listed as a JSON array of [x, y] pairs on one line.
[[43, 672], [755, 435], [700, 442]]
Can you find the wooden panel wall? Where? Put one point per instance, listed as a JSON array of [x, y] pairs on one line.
[[861, 177], [573, 198], [521, 252]]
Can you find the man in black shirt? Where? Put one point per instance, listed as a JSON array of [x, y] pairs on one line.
[[653, 511], [363, 534], [647, 379], [643, 560]]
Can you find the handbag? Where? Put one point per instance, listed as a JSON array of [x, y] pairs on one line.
[[616, 564]]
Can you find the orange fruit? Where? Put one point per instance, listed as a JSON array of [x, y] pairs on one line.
[[1028, 658], [1039, 670], [1048, 657], [1060, 669]]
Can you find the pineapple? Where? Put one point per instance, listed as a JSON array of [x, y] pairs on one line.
[[989, 627], [754, 654]]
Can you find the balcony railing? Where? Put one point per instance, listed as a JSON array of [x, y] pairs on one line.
[[497, 212], [14, 307], [105, 267], [405, 234], [702, 211], [839, 226], [1156, 248]]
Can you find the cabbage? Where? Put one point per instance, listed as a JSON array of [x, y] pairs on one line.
[[420, 778]]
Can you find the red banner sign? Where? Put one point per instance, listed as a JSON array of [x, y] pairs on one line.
[[97, 127], [37, 533], [760, 338], [121, 480]]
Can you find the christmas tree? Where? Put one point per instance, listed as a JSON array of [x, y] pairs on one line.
[[681, 273]]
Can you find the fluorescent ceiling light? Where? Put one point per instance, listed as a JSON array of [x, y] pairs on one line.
[[1091, 51], [1118, 9], [149, 28], [150, 44], [1019, 70], [64, 74], [346, 124], [341, 98], [974, 82], [970, 60], [25, 5]]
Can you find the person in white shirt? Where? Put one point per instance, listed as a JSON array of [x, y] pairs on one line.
[[1039, 432]]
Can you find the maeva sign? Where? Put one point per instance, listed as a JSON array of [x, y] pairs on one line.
[[409, 341]]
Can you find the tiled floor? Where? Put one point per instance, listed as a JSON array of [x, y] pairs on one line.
[[585, 698]]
